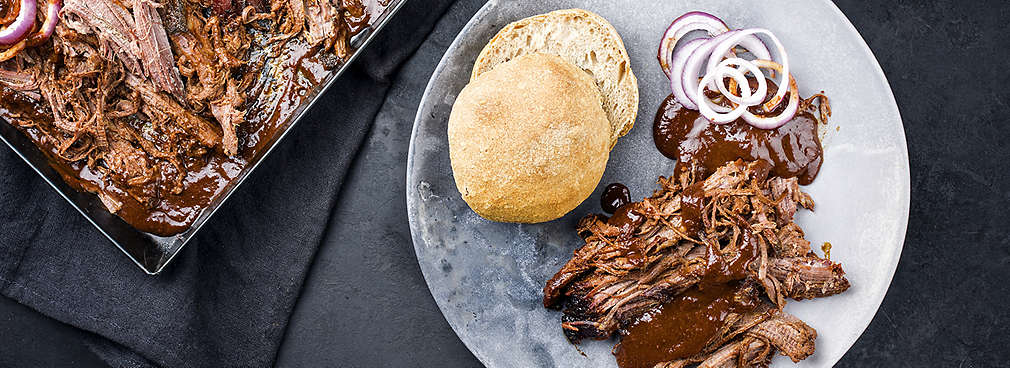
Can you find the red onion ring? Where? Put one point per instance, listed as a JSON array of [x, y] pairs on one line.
[[756, 47], [772, 122], [52, 18], [684, 24], [679, 60], [747, 97], [751, 43], [12, 51], [704, 106], [728, 44], [692, 67], [15, 32], [719, 56]]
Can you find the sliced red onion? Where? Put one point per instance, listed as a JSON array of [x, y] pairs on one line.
[[747, 97], [49, 25], [705, 106], [679, 62], [717, 56], [729, 43], [52, 17], [751, 43], [16, 31], [756, 47], [12, 51], [691, 21], [772, 122], [693, 65]]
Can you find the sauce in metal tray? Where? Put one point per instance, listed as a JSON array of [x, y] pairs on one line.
[[291, 79]]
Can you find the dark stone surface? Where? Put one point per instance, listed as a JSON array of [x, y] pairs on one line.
[[366, 304]]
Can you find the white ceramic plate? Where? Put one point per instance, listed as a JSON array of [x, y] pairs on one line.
[[487, 277]]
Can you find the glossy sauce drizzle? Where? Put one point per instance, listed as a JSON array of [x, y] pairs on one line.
[[682, 327], [627, 220], [793, 150], [614, 196], [685, 325]]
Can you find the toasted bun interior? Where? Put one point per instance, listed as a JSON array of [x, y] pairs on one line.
[[584, 39]]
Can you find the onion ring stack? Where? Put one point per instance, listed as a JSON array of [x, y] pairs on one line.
[[726, 71]]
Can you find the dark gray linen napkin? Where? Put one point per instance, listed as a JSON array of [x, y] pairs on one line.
[[226, 300]]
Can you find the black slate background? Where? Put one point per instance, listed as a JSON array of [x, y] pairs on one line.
[[365, 303]]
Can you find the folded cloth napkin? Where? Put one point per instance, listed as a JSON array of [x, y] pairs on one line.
[[226, 300]]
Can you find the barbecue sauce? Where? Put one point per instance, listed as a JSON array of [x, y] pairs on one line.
[[793, 150], [692, 201], [627, 221], [614, 196], [301, 72], [684, 326], [361, 14]]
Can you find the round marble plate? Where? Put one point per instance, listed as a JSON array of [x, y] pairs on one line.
[[487, 277]]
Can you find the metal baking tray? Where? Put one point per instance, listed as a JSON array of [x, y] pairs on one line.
[[151, 252]]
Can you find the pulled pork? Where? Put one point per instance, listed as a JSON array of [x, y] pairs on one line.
[[752, 340], [141, 91], [211, 53], [318, 20], [735, 225]]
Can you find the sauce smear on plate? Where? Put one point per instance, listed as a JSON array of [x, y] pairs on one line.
[[793, 150], [682, 327]]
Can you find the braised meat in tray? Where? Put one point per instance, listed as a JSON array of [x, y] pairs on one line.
[[156, 107]]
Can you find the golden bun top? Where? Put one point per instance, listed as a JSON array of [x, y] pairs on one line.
[[529, 140]]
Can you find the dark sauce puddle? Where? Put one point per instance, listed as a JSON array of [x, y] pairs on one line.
[[683, 326]]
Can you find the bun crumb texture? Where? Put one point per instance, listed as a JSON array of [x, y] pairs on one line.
[[529, 139]]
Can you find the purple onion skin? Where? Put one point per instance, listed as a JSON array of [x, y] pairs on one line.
[[703, 20], [694, 65], [15, 32], [678, 65]]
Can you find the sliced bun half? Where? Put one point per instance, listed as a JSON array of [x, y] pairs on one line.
[[582, 38]]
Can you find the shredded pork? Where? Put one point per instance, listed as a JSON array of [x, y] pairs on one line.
[[140, 90], [623, 271]]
